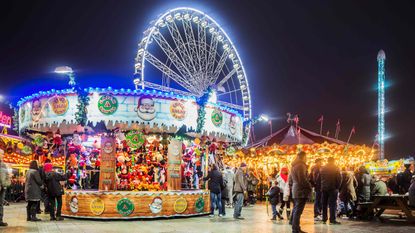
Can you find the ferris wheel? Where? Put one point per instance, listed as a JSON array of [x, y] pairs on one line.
[[193, 54]]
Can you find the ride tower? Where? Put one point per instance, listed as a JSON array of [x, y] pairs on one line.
[[381, 103]]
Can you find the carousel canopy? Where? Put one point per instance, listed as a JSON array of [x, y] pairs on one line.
[[293, 135]]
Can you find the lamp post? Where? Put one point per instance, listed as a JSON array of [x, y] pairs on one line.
[[67, 71], [264, 117]]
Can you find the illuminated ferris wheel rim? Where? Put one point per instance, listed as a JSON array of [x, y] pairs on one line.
[[176, 14]]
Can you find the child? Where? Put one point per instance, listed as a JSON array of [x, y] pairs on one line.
[[273, 194]]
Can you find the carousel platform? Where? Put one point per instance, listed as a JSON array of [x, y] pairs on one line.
[[134, 205]]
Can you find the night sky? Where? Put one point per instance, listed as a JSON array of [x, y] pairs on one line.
[[304, 57]]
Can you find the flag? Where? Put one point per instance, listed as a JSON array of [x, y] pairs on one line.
[[321, 119], [336, 135]]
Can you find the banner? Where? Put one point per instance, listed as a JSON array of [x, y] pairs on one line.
[[174, 155], [107, 169]]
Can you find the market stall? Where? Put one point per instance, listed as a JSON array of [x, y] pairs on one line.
[[280, 149]]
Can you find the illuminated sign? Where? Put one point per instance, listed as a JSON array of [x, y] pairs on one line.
[[5, 120]]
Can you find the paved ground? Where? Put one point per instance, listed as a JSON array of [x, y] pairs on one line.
[[256, 221]]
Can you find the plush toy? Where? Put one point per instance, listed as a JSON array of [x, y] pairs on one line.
[[57, 139], [124, 177]]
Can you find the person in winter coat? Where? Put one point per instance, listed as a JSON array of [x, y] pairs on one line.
[[285, 197], [240, 189], [252, 184], [330, 180], [392, 184], [274, 195], [229, 176], [45, 198], [378, 187], [225, 196], [54, 191], [411, 192], [215, 184], [404, 179], [33, 191], [315, 172], [363, 185], [347, 193], [301, 189], [4, 184]]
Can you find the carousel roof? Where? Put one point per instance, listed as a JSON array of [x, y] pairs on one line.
[[293, 135]]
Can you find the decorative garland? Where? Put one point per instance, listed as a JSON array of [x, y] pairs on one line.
[[15, 119], [83, 102], [201, 111]]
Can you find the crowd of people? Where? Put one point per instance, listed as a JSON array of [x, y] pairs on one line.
[[41, 183], [336, 192]]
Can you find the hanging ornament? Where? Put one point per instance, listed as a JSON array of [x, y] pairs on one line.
[[38, 140], [134, 139]]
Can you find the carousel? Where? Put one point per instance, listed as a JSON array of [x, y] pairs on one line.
[[142, 153], [280, 149]]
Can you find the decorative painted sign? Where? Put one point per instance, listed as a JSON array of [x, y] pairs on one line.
[[199, 204], [156, 206], [217, 117], [180, 205], [73, 204], [107, 168], [97, 206], [107, 104], [59, 105], [234, 123], [178, 110], [125, 207], [36, 111], [174, 158], [146, 108], [135, 139], [5, 120]]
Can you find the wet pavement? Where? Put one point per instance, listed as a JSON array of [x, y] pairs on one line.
[[256, 220]]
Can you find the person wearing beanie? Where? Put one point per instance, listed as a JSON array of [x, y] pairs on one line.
[[33, 193], [54, 191], [4, 183], [45, 197], [240, 189]]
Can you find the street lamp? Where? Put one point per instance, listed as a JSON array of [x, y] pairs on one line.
[[66, 70], [264, 117]]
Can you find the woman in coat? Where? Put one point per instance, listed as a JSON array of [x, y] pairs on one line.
[[363, 185], [32, 191], [347, 191], [54, 190]]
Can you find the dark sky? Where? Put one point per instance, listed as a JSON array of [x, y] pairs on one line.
[[305, 57]]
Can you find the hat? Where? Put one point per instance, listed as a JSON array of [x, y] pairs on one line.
[[48, 167], [243, 164]]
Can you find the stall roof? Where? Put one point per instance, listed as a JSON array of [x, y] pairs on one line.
[[293, 135]]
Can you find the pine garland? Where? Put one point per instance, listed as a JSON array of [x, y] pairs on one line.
[[201, 112], [83, 102], [15, 119]]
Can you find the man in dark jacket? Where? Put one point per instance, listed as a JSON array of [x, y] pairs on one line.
[[54, 191], [215, 184], [274, 194], [45, 197], [240, 189], [301, 189], [330, 180], [315, 172], [404, 179]]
